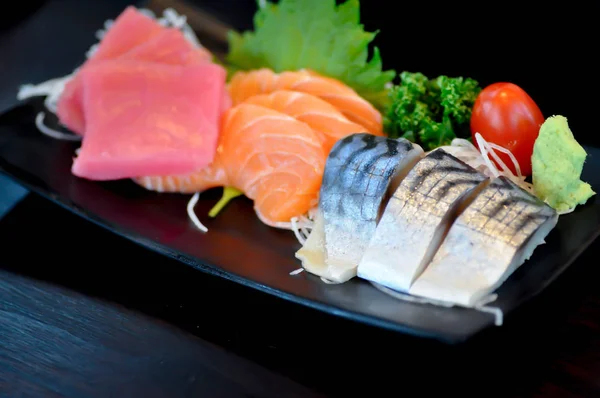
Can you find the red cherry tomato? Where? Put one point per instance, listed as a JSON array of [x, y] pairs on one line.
[[506, 115]]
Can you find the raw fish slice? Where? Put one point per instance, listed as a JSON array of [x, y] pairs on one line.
[[211, 176], [321, 116], [274, 159], [169, 47], [360, 171], [493, 236], [417, 218], [148, 119], [130, 29], [353, 106], [244, 85], [172, 48]]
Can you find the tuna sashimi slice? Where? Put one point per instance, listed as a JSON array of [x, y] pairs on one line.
[[148, 119], [130, 29], [169, 47]]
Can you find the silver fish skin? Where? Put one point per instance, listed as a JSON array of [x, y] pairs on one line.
[[417, 218], [358, 174], [493, 236]]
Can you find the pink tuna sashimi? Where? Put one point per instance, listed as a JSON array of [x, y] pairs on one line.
[[169, 47], [130, 29], [148, 119]]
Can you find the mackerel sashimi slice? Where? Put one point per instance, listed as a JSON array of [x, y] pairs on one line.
[[148, 119], [130, 29]]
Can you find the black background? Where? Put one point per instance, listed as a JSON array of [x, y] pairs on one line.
[[548, 50]]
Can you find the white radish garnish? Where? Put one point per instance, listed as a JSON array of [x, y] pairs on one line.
[[51, 89], [484, 158], [192, 215], [50, 132], [301, 226]]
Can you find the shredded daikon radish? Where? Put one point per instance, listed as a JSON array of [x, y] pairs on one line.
[[297, 271], [496, 312], [481, 160], [173, 19], [298, 231], [100, 33], [300, 224], [147, 12], [274, 224], [491, 148], [51, 89], [483, 306], [91, 51], [192, 215], [59, 135]]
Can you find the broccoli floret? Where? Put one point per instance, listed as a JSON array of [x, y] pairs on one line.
[[430, 112]]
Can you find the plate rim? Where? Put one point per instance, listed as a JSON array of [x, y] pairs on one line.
[[447, 337]]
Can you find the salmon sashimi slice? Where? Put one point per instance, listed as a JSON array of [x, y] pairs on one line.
[[276, 160], [244, 85], [321, 116], [130, 29], [211, 176]]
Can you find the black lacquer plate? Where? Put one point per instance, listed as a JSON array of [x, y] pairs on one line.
[[240, 248]]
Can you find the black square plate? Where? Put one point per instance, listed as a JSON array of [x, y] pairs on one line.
[[239, 247]]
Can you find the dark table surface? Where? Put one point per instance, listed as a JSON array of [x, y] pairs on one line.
[[146, 326]]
